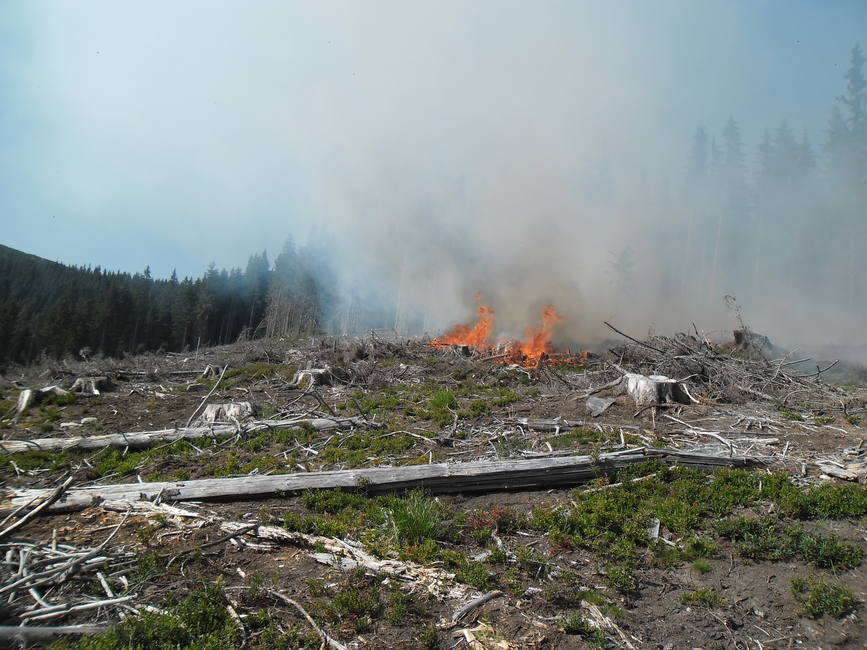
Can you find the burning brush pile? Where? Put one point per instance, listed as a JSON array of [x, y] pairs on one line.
[[533, 351]]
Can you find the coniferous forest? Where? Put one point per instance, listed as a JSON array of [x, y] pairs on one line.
[[785, 215], [50, 309]]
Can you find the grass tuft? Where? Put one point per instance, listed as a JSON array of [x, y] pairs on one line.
[[820, 598], [703, 598]]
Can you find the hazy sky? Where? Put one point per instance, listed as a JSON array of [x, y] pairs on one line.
[[172, 133]]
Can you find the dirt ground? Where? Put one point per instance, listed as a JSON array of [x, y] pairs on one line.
[[397, 388]]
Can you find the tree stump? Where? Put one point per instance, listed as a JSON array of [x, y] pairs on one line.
[[305, 379], [650, 390], [654, 390], [29, 397], [211, 372], [89, 385], [230, 412]]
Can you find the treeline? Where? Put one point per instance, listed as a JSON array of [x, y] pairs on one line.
[[50, 309], [795, 225]]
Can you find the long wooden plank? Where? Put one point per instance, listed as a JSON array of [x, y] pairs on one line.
[[140, 439], [476, 476]]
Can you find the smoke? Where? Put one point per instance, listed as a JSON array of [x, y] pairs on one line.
[[540, 161], [533, 153]]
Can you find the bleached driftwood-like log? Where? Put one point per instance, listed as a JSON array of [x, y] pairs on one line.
[[851, 472], [559, 424], [140, 439], [230, 412], [16, 636], [89, 385], [476, 476], [333, 551]]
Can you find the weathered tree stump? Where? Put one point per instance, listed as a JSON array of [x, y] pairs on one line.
[[211, 372], [29, 397], [649, 390], [655, 389], [230, 412], [89, 385], [311, 377]]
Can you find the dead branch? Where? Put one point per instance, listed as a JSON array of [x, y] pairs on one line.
[[51, 498], [641, 343], [325, 638], [473, 604]]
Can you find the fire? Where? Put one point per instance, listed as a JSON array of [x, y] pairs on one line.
[[530, 352], [475, 336], [536, 346]]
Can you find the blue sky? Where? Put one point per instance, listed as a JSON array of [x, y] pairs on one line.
[[172, 134]]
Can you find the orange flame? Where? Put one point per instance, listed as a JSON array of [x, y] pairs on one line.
[[536, 346], [531, 352], [475, 336]]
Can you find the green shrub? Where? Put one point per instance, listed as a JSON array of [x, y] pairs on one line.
[[580, 626], [702, 566], [703, 598], [826, 502], [429, 638], [198, 622], [820, 598], [620, 577], [768, 539], [475, 574], [443, 399]]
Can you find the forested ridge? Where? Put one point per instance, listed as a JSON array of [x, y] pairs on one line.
[[51, 309]]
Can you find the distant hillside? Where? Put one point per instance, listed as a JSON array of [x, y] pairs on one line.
[[52, 309]]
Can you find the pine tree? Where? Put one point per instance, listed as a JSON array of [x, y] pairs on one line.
[[733, 145], [698, 157], [806, 164], [766, 158], [785, 159]]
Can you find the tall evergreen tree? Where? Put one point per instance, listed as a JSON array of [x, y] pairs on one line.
[[698, 157]]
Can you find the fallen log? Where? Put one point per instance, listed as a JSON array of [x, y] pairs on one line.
[[476, 476], [558, 424], [18, 636], [141, 439]]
